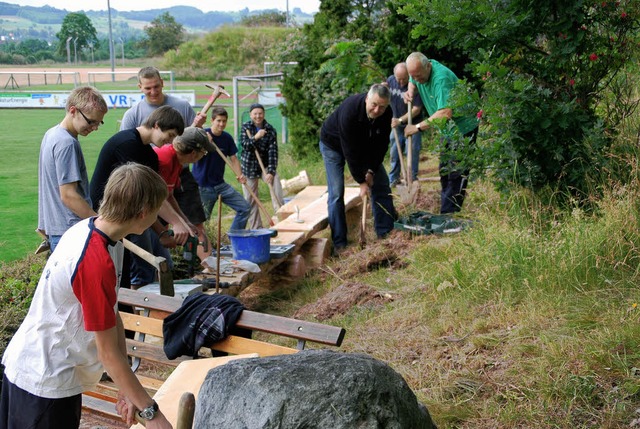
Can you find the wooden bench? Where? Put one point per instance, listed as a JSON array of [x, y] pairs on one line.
[[147, 345]]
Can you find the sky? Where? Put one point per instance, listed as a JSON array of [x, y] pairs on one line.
[[307, 6]]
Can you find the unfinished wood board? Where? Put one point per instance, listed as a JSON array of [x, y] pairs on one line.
[[289, 237], [305, 197], [187, 377]]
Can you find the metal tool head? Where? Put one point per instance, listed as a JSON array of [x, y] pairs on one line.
[[218, 88]]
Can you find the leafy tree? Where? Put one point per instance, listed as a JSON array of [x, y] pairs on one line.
[[542, 68], [334, 56], [163, 34], [76, 24]]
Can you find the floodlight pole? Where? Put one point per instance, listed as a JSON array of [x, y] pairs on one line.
[[111, 52], [69, 49]]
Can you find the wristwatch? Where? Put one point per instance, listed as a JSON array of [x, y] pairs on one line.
[[150, 412], [418, 126], [401, 121]]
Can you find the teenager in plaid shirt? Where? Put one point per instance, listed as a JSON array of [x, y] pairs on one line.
[[258, 135]]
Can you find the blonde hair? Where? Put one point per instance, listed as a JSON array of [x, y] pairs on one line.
[[88, 99], [132, 189]]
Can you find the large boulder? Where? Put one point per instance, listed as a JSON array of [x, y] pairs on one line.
[[309, 389]]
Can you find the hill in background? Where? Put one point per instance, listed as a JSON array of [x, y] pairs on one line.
[[29, 22]]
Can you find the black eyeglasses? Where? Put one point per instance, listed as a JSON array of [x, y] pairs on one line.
[[91, 122]]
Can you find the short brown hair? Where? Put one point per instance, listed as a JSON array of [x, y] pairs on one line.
[[132, 189], [218, 111], [87, 98], [167, 118], [148, 73]]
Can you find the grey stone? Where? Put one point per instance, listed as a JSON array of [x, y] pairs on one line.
[[309, 389]]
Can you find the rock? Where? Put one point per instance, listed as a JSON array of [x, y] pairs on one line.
[[309, 389]]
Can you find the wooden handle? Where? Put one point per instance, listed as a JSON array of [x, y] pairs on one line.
[[272, 192], [409, 146], [218, 243], [253, 195], [209, 103], [403, 170], [363, 222], [186, 411]]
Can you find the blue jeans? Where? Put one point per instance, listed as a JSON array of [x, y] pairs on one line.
[[394, 173], [384, 214], [142, 272], [230, 197], [53, 242]]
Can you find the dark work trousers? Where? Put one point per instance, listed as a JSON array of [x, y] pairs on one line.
[[20, 409], [453, 181]]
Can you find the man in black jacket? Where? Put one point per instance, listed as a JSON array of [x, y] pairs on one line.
[[358, 132]]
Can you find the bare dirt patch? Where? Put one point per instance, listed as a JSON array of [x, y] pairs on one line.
[[340, 300]]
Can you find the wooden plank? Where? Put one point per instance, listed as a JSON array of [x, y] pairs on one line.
[[302, 199], [151, 352], [143, 324], [299, 329], [187, 377], [99, 406], [239, 345], [296, 238]]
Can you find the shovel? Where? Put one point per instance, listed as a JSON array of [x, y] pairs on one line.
[[414, 186]]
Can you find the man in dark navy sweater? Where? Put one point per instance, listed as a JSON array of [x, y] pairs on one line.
[[358, 132]]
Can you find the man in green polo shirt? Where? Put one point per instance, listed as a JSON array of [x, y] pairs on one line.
[[434, 82]]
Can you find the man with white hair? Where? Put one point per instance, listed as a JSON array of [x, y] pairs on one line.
[[434, 82]]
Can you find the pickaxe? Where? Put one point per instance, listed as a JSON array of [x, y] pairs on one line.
[[217, 91]]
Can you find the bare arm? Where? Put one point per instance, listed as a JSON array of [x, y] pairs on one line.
[[110, 344], [442, 113], [74, 201], [181, 229], [235, 163]]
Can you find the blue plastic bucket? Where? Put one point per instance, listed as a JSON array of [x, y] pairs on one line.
[[251, 244]]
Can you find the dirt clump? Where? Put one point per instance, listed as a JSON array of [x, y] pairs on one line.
[[342, 299]]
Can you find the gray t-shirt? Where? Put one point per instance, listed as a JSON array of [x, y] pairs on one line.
[[135, 116], [61, 162]]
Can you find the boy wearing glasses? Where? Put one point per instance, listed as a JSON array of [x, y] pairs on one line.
[[63, 185]]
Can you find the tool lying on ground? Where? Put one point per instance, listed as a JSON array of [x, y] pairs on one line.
[[238, 174]]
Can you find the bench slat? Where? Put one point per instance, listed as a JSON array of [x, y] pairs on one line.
[[239, 346], [300, 330]]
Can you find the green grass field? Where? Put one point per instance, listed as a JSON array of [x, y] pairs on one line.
[[24, 129]]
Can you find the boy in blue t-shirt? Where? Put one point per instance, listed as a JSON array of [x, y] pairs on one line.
[[209, 172]]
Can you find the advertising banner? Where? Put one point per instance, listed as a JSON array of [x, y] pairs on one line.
[[15, 100]]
